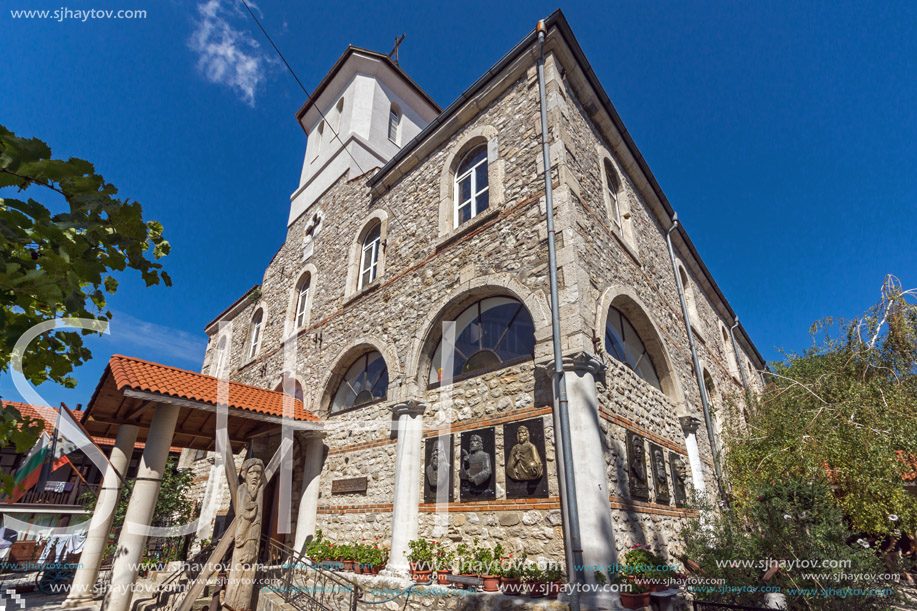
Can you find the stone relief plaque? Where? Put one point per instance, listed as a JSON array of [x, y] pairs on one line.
[[660, 474], [524, 454], [679, 478], [477, 480], [437, 474], [636, 467], [353, 485]]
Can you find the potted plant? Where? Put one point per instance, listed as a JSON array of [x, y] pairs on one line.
[[646, 568], [466, 566], [554, 578], [535, 582], [487, 562], [637, 597], [443, 559], [347, 555], [421, 559], [511, 572]]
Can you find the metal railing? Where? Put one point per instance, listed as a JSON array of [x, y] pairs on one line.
[[304, 585], [69, 495]]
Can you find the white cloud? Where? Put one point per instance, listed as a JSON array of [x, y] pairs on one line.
[[154, 342], [227, 55]]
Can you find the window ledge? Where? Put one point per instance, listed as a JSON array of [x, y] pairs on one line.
[[627, 247], [366, 290], [697, 332], [467, 227]]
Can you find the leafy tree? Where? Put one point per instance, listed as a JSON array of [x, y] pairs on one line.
[[842, 412], [61, 264]]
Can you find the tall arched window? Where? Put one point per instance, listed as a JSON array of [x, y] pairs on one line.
[[369, 255], [254, 333], [289, 384], [623, 343], [490, 333], [302, 300], [394, 122], [611, 186], [471, 187], [319, 136], [339, 112], [689, 297], [219, 358], [365, 381]]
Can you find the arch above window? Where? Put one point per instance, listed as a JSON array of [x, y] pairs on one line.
[[218, 363], [617, 201], [290, 385], [255, 331], [489, 334], [472, 179], [370, 255], [472, 196], [366, 380], [394, 123], [367, 254], [303, 290], [624, 344]]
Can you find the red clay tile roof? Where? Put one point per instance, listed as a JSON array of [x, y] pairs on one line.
[[137, 374], [27, 409]]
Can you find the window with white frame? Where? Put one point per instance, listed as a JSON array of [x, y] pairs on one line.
[[611, 186], [365, 381], [217, 369], [369, 256], [254, 334], [302, 300], [471, 187], [394, 122]]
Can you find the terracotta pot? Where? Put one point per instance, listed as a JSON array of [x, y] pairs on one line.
[[553, 589], [441, 576], [635, 601], [537, 589], [375, 569], [491, 583], [511, 585], [421, 576], [463, 586]]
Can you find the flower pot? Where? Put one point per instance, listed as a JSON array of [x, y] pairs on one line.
[[491, 583], [346, 565], [464, 586], [375, 569], [441, 576], [553, 589], [635, 601], [511, 585], [421, 576], [536, 589]]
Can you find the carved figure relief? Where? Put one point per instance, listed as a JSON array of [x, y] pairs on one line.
[[524, 456], [636, 466], [249, 503], [660, 475], [679, 478], [438, 471], [476, 470]]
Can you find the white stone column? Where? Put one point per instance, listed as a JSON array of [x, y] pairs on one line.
[[409, 415], [308, 502], [689, 425], [139, 514], [592, 496], [81, 591]]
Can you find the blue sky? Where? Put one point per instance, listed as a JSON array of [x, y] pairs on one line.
[[783, 134]]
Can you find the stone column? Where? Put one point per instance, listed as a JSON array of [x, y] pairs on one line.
[[689, 425], [81, 591], [409, 416], [308, 502], [592, 496], [140, 508]]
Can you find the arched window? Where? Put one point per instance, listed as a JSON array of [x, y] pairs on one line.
[[490, 333], [254, 333], [394, 122], [290, 384], [611, 186], [302, 300], [689, 297], [623, 343], [319, 136], [219, 358], [369, 255], [471, 187], [365, 381], [728, 352], [339, 108]]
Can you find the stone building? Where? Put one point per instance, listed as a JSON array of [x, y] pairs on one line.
[[409, 310]]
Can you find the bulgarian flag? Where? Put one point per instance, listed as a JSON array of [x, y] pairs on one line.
[[29, 472]]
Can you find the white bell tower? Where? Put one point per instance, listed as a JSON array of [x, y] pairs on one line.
[[369, 109]]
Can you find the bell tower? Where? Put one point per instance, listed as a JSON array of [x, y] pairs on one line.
[[358, 117]]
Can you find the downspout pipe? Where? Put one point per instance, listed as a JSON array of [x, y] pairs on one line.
[[735, 348], [700, 375], [569, 497]]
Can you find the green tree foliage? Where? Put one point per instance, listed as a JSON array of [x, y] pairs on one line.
[[844, 412], [60, 264], [793, 537]]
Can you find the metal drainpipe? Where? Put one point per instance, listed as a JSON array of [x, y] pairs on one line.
[[569, 482], [700, 375], [735, 349]]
